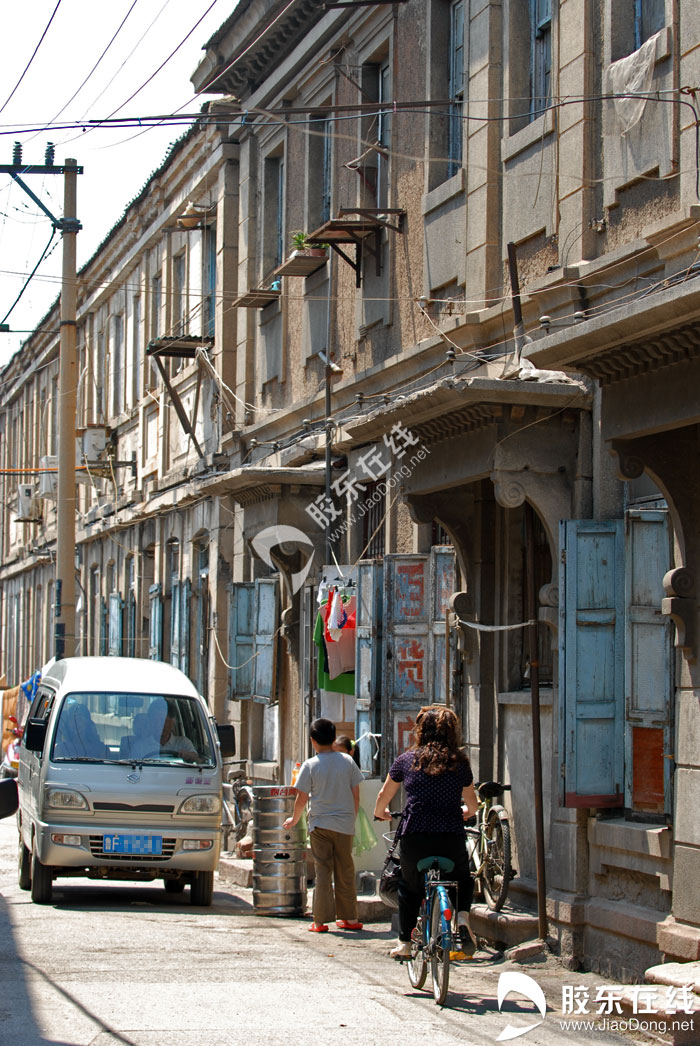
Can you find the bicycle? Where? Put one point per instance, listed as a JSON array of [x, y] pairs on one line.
[[488, 845], [434, 939], [238, 803]]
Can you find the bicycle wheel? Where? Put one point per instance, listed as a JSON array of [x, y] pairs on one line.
[[496, 874], [439, 952], [417, 966]]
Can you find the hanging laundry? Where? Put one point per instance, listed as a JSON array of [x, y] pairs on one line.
[[337, 616], [340, 684], [332, 706], [340, 650]]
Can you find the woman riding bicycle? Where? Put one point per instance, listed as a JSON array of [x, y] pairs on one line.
[[440, 796]]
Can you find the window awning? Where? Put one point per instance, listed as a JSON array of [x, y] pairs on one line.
[[182, 346], [454, 405], [360, 227], [250, 483], [257, 298]]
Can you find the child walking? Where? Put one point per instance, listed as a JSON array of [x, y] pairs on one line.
[[330, 782]]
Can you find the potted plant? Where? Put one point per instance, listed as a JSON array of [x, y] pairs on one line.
[[303, 247]]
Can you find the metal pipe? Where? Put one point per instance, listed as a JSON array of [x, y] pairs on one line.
[[536, 735]]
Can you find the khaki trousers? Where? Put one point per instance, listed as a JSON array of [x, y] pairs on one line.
[[335, 867]]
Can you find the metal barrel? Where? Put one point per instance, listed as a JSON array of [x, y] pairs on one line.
[[279, 856]]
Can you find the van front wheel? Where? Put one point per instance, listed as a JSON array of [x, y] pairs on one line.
[[42, 883], [202, 889], [24, 866]]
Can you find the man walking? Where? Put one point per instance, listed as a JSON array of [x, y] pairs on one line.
[[330, 782]]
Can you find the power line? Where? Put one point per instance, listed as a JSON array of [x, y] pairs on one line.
[[29, 278], [41, 40], [165, 62], [97, 63]]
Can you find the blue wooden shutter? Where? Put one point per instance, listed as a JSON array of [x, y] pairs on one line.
[[116, 606], [591, 663], [265, 639], [155, 623], [241, 646], [104, 627], [406, 683], [131, 624], [203, 604], [175, 631], [368, 662], [648, 663], [443, 571], [185, 592]]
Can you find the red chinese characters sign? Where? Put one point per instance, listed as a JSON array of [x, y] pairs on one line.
[[410, 589], [410, 668]]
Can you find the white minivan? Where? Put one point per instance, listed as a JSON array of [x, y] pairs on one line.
[[120, 777]]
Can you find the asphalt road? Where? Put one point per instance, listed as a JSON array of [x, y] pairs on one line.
[[112, 964]]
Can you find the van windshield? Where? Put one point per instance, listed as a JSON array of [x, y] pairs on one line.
[[107, 726]]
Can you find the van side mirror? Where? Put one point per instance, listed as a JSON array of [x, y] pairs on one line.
[[9, 798], [35, 735], [227, 739]]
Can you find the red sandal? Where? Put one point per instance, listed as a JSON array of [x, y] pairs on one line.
[[343, 924], [318, 928]]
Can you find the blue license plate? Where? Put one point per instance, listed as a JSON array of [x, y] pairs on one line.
[[132, 844]]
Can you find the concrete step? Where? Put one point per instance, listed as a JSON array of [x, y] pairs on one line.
[[675, 974], [371, 909], [236, 870], [505, 929], [660, 1010]]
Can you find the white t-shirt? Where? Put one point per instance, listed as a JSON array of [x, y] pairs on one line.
[[329, 778]]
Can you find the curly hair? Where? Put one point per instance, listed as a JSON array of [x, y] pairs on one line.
[[437, 740]]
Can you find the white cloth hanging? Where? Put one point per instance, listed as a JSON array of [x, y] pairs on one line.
[[629, 76]]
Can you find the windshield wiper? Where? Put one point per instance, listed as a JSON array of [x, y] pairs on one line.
[[79, 759]]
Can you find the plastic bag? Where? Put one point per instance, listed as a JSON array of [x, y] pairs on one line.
[[365, 837]]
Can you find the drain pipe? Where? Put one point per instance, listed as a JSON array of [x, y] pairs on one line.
[[520, 338], [536, 734]]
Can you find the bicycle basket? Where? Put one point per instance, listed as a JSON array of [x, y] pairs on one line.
[[389, 881]]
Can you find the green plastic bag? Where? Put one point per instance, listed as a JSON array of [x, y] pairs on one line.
[[365, 837]]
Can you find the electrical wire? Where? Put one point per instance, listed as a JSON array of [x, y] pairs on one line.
[[163, 63], [34, 53], [29, 278], [95, 66], [109, 83]]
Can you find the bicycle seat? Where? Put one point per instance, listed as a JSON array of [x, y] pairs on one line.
[[443, 863], [490, 789]]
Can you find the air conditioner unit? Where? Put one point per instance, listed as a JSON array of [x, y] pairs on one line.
[[48, 481], [92, 442], [27, 508]]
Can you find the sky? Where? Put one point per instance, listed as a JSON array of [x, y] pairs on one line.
[[101, 53]]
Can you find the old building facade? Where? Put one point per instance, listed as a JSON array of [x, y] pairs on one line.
[[480, 345]]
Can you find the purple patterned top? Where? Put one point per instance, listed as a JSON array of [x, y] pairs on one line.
[[433, 801]]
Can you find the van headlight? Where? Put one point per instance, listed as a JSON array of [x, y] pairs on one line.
[[65, 799], [201, 804]]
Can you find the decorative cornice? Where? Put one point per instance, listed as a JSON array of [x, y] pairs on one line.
[[466, 420], [245, 74], [641, 357]]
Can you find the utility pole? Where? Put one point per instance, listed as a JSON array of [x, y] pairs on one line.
[[69, 226], [65, 631]]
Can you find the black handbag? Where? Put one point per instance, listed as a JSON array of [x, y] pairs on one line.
[[391, 875]]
